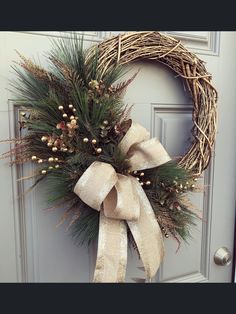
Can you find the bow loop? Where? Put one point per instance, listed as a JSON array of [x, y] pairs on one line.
[[147, 154], [135, 134], [95, 183]]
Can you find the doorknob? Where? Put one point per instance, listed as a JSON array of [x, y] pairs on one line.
[[222, 257]]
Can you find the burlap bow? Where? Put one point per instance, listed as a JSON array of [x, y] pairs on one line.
[[122, 202]]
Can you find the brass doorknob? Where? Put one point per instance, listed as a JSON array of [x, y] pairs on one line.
[[222, 257]]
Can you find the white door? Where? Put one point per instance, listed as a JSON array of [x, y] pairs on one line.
[[33, 249]]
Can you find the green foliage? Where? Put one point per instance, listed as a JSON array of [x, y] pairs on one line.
[[85, 229], [27, 87], [72, 103], [170, 184]]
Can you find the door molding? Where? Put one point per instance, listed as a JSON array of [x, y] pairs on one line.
[[24, 205], [191, 278], [206, 43], [88, 36], [18, 203], [208, 178]]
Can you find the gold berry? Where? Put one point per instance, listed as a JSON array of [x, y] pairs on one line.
[[72, 117], [148, 182], [40, 161], [192, 186], [44, 171], [64, 149], [73, 122], [141, 183], [60, 107], [50, 159], [85, 140], [50, 168], [167, 235], [49, 144], [94, 141], [141, 174], [105, 122], [99, 150], [44, 138], [54, 149], [56, 159], [64, 115], [74, 110], [34, 158], [70, 106], [57, 166]]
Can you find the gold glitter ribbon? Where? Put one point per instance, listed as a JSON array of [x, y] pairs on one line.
[[123, 203]]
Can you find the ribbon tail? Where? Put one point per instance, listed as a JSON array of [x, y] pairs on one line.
[[147, 234], [112, 250]]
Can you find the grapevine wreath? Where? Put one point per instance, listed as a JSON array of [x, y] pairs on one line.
[[115, 183]]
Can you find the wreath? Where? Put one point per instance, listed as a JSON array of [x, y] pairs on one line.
[[115, 182]]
